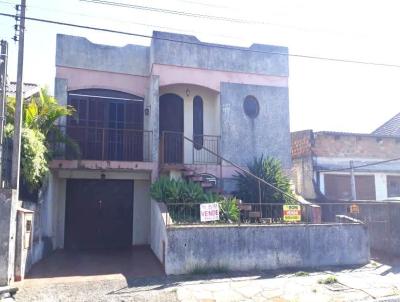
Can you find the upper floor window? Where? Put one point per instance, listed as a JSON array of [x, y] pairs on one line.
[[251, 106], [393, 186], [198, 127]]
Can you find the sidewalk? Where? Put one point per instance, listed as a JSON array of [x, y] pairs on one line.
[[369, 283], [372, 282]]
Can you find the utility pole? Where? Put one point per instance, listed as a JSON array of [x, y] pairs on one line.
[[3, 95], [16, 156], [352, 181]]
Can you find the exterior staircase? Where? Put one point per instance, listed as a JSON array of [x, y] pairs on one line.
[[206, 181]]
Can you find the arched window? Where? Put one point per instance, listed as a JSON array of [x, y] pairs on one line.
[[198, 122]]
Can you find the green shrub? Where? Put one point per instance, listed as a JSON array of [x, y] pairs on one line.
[[270, 170], [328, 280], [229, 210], [176, 191]]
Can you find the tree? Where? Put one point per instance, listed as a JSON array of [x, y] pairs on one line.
[[270, 170], [40, 114]]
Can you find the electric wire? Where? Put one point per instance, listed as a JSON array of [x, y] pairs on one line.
[[361, 166], [203, 44]]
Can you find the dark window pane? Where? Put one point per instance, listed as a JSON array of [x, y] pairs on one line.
[[393, 186], [365, 187], [251, 106], [198, 122], [337, 186]]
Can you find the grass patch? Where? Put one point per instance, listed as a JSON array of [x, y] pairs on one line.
[[209, 270], [328, 280], [302, 274]]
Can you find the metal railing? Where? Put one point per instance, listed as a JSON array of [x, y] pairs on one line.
[[372, 213], [204, 142], [173, 146], [248, 213], [95, 143]]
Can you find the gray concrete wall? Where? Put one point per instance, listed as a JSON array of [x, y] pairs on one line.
[[141, 212], [129, 59], [244, 138], [159, 238], [263, 59], [8, 212], [382, 220], [265, 247], [302, 172]]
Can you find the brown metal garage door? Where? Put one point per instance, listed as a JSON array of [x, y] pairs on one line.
[[98, 213]]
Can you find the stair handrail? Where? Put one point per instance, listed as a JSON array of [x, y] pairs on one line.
[[260, 180]]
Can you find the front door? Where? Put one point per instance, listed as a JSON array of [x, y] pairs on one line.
[[98, 213], [171, 127]]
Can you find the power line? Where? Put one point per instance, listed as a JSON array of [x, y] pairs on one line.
[[127, 22], [196, 15], [171, 28], [174, 12], [203, 44], [361, 166]]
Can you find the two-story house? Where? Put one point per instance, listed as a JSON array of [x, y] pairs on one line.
[[143, 111]]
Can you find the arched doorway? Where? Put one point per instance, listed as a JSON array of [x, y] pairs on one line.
[[171, 127]]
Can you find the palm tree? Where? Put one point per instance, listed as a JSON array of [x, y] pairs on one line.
[[40, 116]]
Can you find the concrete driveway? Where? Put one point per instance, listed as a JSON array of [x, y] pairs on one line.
[[372, 282]]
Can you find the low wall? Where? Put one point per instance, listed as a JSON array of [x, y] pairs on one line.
[[265, 247], [381, 218], [158, 240], [8, 212]]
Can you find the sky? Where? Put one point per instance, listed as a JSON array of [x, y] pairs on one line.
[[323, 95]]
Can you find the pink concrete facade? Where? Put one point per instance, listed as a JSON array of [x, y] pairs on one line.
[[83, 78], [212, 79]]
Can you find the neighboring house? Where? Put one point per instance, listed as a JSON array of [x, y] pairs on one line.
[[391, 127], [321, 162], [28, 89], [142, 112]]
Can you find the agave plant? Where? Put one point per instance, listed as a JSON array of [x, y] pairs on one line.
[[229, 209], [192, 192], [270, 170]]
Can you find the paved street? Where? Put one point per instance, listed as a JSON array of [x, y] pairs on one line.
[[369, 283]]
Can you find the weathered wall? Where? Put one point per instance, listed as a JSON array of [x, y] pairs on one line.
[[265, 247], [244, 138], [8, 211], [302, 142], [129, 59], [218, 57], [353, 145], [303, 177], [159, 239], [141, 213], [382, 220]]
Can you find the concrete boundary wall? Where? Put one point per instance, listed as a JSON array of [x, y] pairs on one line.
[[158, 231], [267, 247]]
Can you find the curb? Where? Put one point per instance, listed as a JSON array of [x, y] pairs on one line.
[[389, 299]]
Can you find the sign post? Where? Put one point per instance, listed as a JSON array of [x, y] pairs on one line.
[[209, 212], [291, 213]]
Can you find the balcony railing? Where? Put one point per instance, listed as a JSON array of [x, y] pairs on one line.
[[92, 143], [174, 149]]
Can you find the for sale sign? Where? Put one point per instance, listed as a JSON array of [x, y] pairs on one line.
[[209, 212], [291, 213]]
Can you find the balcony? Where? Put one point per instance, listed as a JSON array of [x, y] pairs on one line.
[[175, 148], [103, 144]]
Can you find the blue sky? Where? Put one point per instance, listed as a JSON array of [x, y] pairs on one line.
[[324, 95]]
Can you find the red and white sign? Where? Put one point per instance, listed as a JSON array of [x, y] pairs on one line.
[[209, 212]]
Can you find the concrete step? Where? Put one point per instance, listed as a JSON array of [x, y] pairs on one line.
[[188, 173], [196, 178], [207, 184]]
